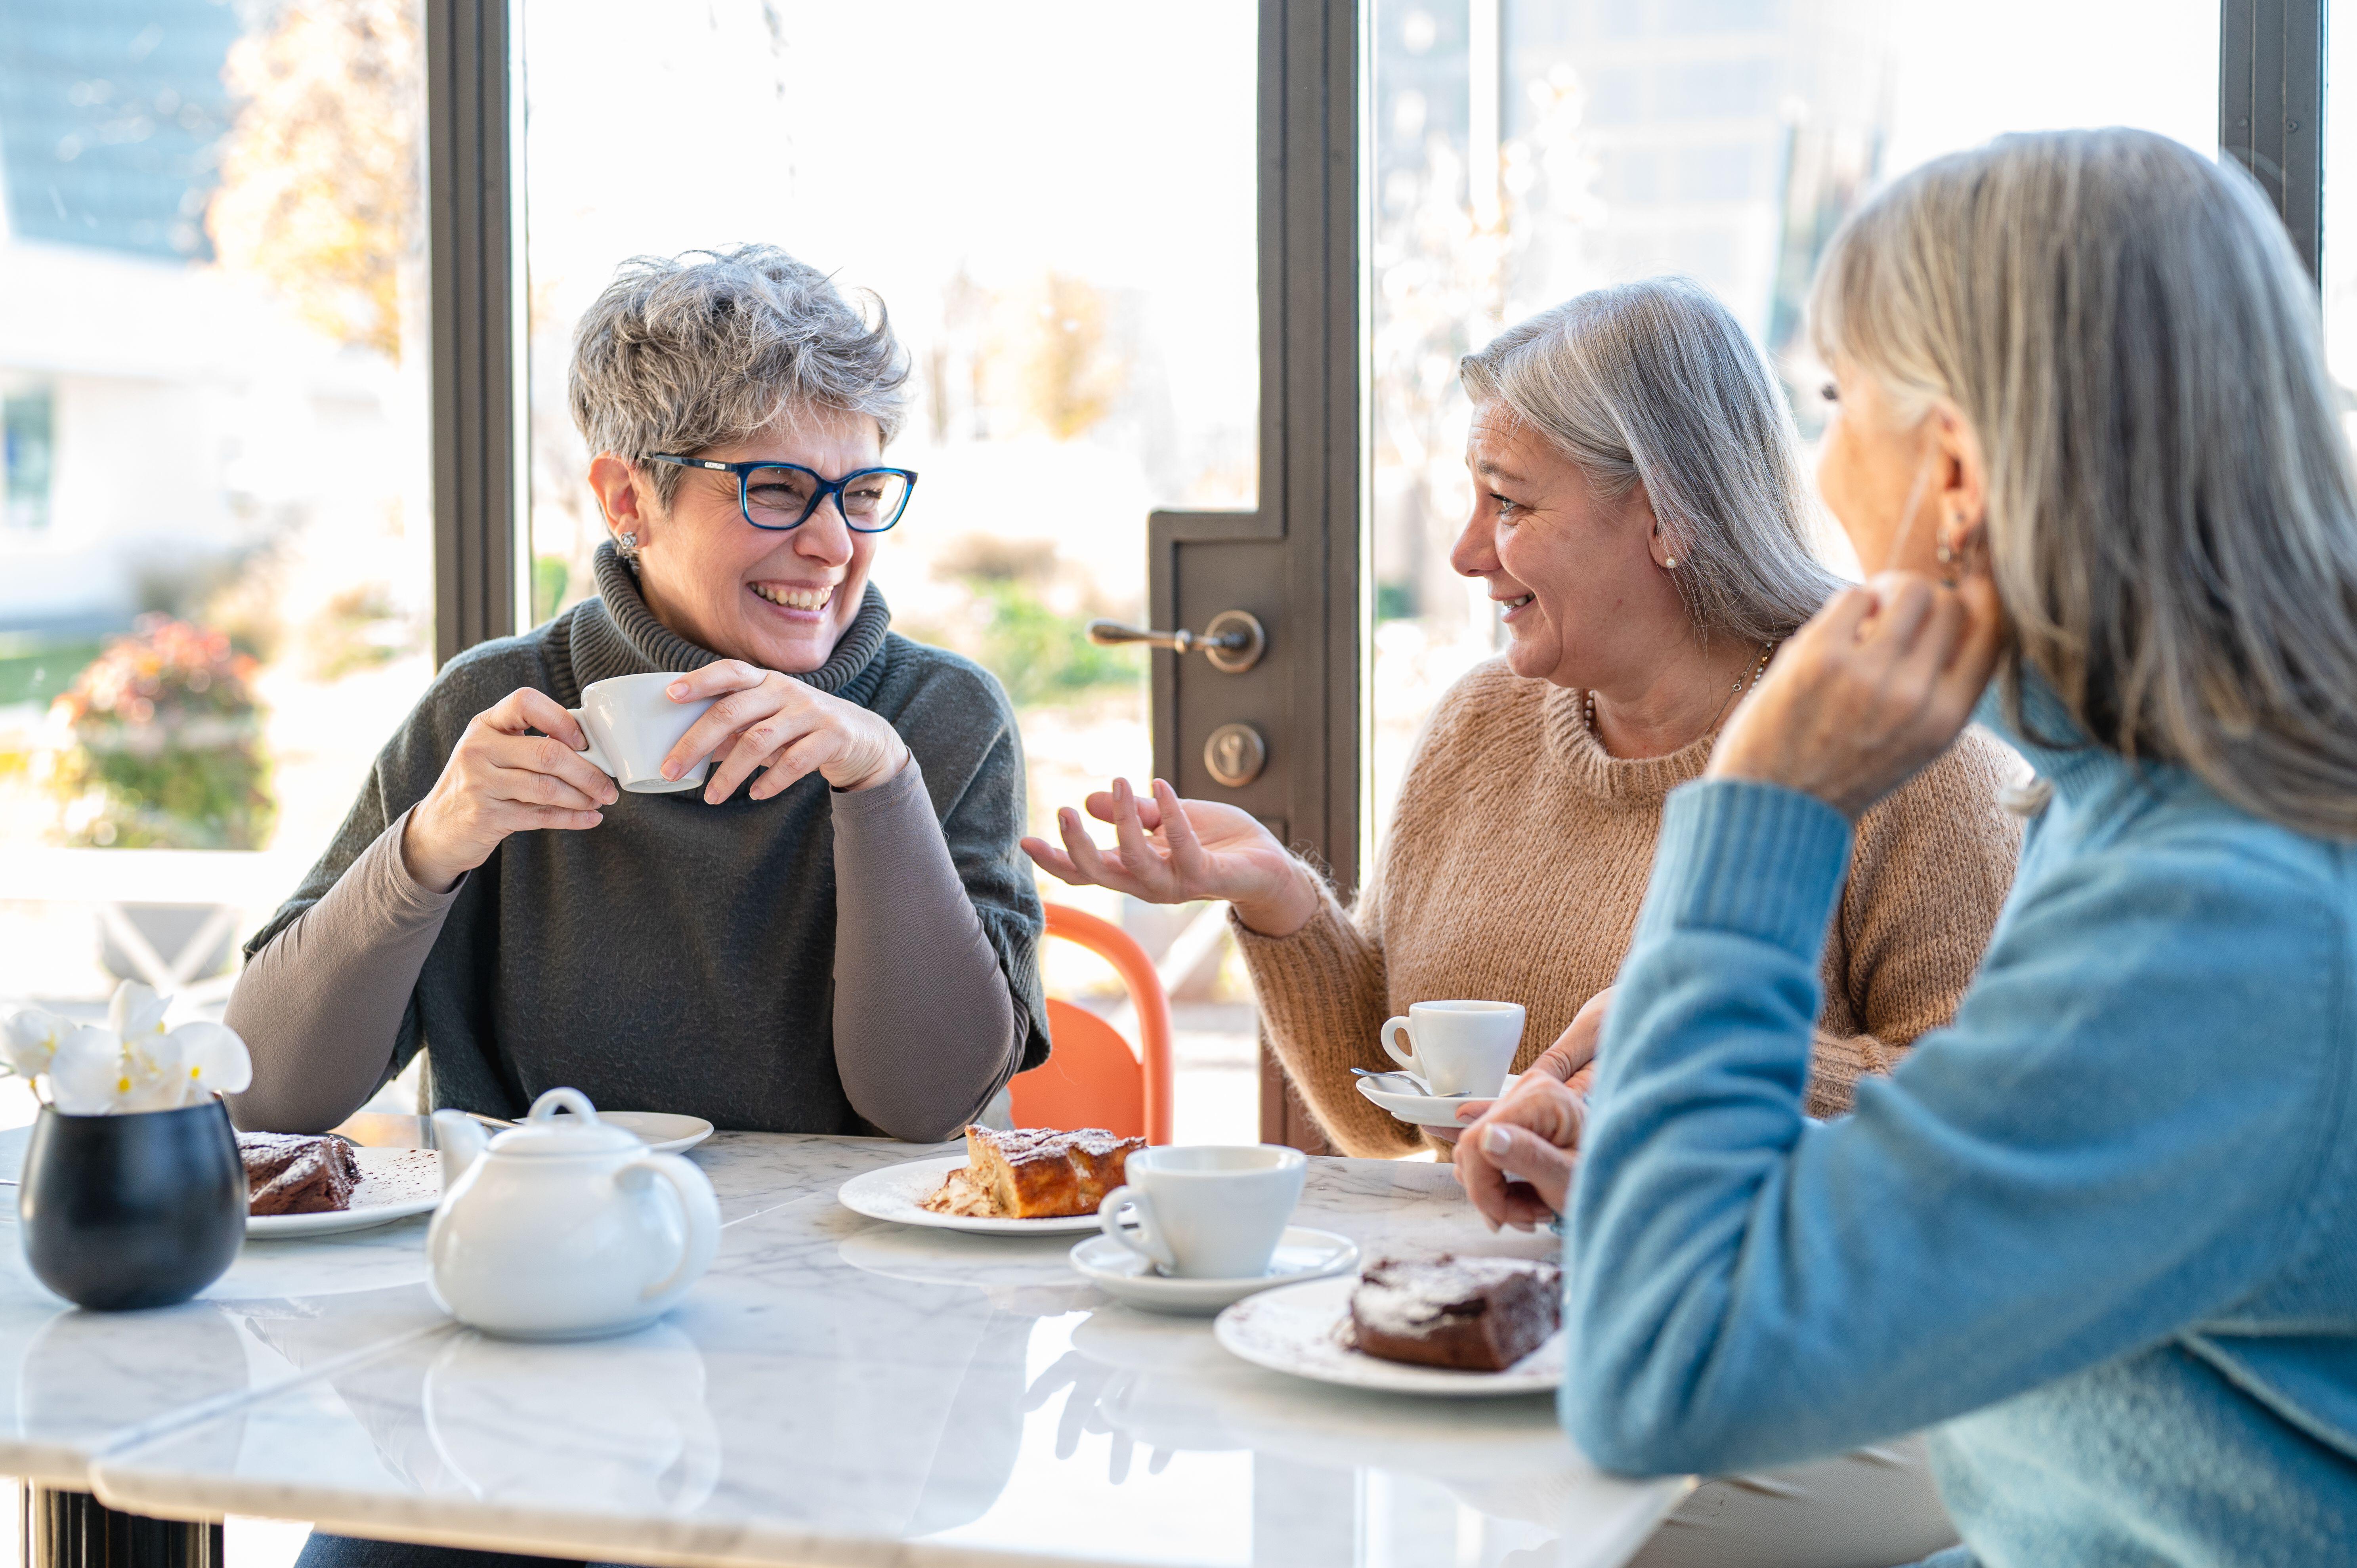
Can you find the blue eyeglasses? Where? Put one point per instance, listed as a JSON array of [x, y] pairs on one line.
[[781, 496]]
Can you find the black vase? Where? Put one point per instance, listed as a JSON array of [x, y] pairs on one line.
[[135, 1210]]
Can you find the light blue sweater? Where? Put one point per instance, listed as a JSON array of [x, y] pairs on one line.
[[2101, 1232]]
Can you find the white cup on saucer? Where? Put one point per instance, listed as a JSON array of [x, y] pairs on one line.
[[1207, 1211], [1457, 1047], [632, 726]]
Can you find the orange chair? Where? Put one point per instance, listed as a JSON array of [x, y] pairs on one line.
[[1093, 1079]]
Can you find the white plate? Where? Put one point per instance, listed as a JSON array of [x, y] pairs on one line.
[[395, 1183], [664, 1132], [1292, 1330], [1128, 1277], [895, 1192], [1422, 1110]]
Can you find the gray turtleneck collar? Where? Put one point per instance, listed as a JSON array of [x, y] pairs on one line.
[[627, 638]]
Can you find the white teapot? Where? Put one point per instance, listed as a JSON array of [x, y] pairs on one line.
[[565, 1230]]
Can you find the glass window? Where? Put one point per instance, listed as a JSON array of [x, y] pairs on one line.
[[215, 568], [1526, 150], [1059, 214]]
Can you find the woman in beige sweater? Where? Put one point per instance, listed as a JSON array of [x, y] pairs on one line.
[[1640, 520]]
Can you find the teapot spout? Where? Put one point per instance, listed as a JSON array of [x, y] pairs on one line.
[[461, 1141]]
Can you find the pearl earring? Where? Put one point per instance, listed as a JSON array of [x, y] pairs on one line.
[[1670, 564]]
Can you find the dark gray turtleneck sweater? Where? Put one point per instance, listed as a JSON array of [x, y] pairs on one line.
[[816, 962]]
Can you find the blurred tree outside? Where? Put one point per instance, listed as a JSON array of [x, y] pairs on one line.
[[1041, 655], [319, 191], [164, 747]]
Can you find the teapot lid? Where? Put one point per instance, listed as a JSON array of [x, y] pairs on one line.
[[544, 1132]]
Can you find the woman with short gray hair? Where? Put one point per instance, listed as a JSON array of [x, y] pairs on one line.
[[742, 951]]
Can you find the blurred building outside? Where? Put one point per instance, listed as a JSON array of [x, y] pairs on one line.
[[215, 422]]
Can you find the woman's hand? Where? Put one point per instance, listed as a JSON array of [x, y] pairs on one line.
[[1516, 1161], [503, 779], [1570, 1061], [1872, 688], [764, 719], [1175, 852]]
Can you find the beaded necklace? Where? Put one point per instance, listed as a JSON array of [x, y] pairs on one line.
[[1735, 690]]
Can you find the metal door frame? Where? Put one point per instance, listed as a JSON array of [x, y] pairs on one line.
[[2271, 109]]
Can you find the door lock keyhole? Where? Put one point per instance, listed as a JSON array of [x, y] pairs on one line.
[[1234, 755]]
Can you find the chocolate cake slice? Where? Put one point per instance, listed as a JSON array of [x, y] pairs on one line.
[[1472, 1314], [290, 1175]]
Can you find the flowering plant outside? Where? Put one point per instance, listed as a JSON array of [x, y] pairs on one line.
[[166, 748], [131, 1063]]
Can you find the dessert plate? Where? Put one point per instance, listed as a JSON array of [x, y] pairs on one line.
[[395, 1183], [1292, 1330], [1128, 1277], [664, 1132], [1422, 1110], [896, 1193]]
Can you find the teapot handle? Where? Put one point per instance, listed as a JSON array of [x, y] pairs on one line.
[[696, 1205]]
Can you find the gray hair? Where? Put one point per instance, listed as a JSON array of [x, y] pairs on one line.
[[1655, 383], [2173, 521], [687, 352]]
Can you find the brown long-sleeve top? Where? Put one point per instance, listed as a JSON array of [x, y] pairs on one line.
[[1513, 870]]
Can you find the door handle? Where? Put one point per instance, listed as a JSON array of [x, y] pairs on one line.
[[1233, 640]]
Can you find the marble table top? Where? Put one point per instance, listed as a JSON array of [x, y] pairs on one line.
[[837, 1390]]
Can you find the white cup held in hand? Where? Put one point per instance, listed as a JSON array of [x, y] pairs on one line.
[[632, 726], [1207, 1211], [1457, 1047]]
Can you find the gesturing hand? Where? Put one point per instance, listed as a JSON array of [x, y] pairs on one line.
[[1874, 687], [764, 719], [1174, 852], [502, 780]]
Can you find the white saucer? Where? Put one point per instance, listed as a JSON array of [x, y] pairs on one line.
[[897, 1193], [664, 1132], [394, 1184], [1292, 1330], [1422, 1110], [1301, 1254]]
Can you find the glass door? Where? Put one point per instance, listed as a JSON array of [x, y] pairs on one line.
[[1056, 205], [1526, 150]]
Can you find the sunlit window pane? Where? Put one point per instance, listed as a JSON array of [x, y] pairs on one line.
[[215, 568], [1526, 150]]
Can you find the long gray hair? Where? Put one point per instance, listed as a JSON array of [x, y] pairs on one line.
[[2172, 521], [1655, 383]]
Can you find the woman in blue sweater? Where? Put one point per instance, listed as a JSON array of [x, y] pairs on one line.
[[2101, 1233]]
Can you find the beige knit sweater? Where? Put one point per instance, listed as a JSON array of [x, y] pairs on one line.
[[1514, 869]]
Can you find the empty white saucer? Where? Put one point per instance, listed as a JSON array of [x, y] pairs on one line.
[[1420, 1110], [1301, 1254]]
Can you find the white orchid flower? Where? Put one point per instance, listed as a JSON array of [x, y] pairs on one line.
[[31, 1039], [213, 1060], [133, 1064], [152, 1071], [136, 1011], [88, 1076]]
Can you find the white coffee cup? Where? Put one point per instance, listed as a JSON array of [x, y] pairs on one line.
[[1457, 1047], [1207, 1211], [632, 726]]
